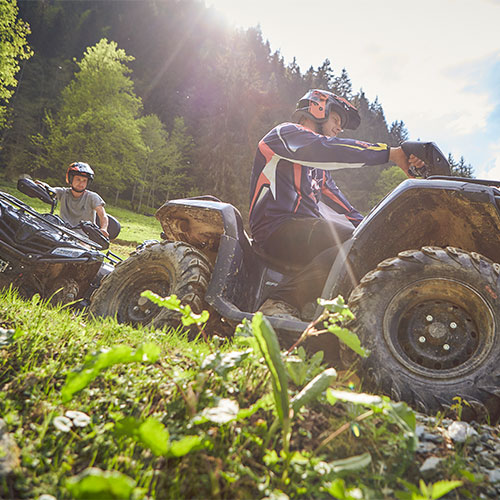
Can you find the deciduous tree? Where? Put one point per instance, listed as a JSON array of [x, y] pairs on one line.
[[13, 48], [98, 120]]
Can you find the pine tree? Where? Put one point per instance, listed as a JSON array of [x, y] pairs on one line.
[[398, 133], [342, 85], [460, 169]]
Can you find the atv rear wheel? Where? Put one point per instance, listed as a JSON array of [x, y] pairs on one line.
[[165, 268], [431, 319]]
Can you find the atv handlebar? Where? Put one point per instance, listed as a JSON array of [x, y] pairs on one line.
[[430, 154], [94, 233], [44, 193], [41, 191]]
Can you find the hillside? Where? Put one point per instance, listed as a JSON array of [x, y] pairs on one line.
[[92, 409]]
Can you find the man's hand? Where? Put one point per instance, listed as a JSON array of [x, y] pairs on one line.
[[103, 220], [41, 183], [398, 156]]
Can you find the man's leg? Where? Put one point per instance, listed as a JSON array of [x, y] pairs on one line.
[[298, 241], [313, 243], [306, 286]]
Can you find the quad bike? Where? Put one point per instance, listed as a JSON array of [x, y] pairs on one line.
[[421, 272], [40, 253]]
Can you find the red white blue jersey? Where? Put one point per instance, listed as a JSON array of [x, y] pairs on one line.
[[291, 175]]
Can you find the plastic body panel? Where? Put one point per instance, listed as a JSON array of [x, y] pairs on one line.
[[431, 212]]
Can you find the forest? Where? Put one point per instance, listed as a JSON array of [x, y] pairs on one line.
[[164, 100]]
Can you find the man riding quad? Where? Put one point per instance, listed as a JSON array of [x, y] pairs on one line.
[[77, 203], [297, 213], [420, 272]]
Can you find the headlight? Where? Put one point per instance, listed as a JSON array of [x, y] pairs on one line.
[[68, 252]]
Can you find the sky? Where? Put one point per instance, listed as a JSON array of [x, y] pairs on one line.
[[434, 64]]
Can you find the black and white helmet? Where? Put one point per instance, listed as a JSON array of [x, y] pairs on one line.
[[316, 104]]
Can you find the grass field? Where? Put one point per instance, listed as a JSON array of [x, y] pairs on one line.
[[96, 410], [93, 409]]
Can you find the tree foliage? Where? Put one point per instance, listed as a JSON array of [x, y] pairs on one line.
[[98, 120], [165, 167], [460, 168], [13, 48], [215, 91], [388, 179]]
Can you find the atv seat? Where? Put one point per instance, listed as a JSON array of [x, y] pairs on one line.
[[114, 227], [275, 263]]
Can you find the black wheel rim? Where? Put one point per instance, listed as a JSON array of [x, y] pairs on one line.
[[439, 328], [135, 309]]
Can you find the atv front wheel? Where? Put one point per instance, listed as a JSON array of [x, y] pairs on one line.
[[431, 319], [165, 268]]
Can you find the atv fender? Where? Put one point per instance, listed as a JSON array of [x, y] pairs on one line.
[[238, 277], [418, 213]]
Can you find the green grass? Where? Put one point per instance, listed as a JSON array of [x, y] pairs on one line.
[[186, 419]]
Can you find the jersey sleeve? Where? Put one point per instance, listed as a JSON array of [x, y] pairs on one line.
[[332, 196], [298, 144]]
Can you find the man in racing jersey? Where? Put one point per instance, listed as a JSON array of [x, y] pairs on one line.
[[297, 212]]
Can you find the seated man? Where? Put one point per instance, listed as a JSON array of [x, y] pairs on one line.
[[297, 212], [77, 203]]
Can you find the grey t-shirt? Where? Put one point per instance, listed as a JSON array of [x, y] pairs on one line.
[[73, 210]]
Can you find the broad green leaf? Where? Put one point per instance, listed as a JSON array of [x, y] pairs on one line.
[[350, 339], [423, 488], [95, 364], [353, 397], [96, 483], [171, 302], [297, 369], [406, 414], [150, 433], [404, 495], [336, 489], [185, 445], [337, 307], [405, 418], [468, 475], [441, 488], [271, 458], [147, 353], [270, 349], [188, 317], [191, 318], [266, 402], [314, 389], [409, 486], [128, 426], [351, 464], [222, 363], [154, 436], [277, 494]]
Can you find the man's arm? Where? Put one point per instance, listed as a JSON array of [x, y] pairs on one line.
[[103, 218], [299, 145], [335, 199], [398, 156]]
